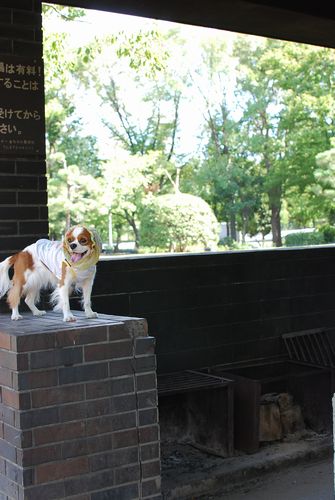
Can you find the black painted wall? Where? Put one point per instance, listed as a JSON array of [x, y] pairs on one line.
[[23, 186], [224, 307]]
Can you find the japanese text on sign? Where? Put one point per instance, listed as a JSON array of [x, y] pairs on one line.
[[21, 106]]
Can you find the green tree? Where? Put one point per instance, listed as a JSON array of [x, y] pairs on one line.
[[140, 93], [324, 186], [309, 120], [132, 73], [260, 125], [128, 179], [69, 151], [177, 221], [227, 179], [286, 93], [73, 197]]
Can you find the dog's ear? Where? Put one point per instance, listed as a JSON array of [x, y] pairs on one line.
[[96, 238]]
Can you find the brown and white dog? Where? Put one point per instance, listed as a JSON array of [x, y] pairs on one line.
[[62, 265]]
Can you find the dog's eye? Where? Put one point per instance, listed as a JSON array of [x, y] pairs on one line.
[[83, 241]]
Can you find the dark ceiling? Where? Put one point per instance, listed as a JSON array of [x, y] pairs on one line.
[[288, 20]]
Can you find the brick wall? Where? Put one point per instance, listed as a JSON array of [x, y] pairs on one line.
[[78, 410], [221, 308], [23, 187]]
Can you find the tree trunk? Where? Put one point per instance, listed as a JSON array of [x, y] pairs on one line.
[[136, 233], [110, 230], [233, 232], [276, 226], [275, 206], [130, 218]]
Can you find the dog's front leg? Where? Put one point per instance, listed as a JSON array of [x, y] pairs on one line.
[[64, 293], [87, 291], [64, 289]]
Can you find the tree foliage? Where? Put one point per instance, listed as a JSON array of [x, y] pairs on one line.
[[324, 185], [264, 160], [177, 221]]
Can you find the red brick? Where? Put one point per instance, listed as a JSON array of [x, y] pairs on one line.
[[15, 399], [150, 451], [6, 377], [37, 417], [55, 357], [5, 341], [59, 470], [145, 363], [151, 487], [7, 451], [121, 366], [82, 373], [151, 469], [21, 439], [124, 439], [109, 423], [128, 491], [8, 415], [35, 342], [50, 491], [41, 455], [76, 411], [118, 331], [56, 395], [8, 488], [145, 345], [148, 416], [121, 404], [147, 399], [76, 448], [127, 474], [121, 349], [111, 387], [59, 432], [33, 380], [81, 336], [146, 382], [115, 458], [13, 361], [149, 434], [19, 474]]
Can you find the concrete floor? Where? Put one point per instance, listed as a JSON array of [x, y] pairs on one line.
[[311, 481], [297, 470]]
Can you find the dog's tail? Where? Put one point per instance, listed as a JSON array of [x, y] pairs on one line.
[[5, 282]]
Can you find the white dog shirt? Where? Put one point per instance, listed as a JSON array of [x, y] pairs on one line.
[[51, 254]]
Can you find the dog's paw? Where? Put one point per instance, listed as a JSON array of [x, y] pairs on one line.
[[16, 317], [91, 314], [39, 313], [69, 318]]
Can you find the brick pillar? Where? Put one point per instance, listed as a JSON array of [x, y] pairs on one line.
[[23, 185], [78, 409]]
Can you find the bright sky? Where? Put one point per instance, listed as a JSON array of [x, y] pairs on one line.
[[100, 23]]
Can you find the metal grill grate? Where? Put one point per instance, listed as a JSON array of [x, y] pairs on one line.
[[187, 381], [310, 347]]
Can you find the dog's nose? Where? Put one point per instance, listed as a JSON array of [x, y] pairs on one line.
[[73, 246]]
